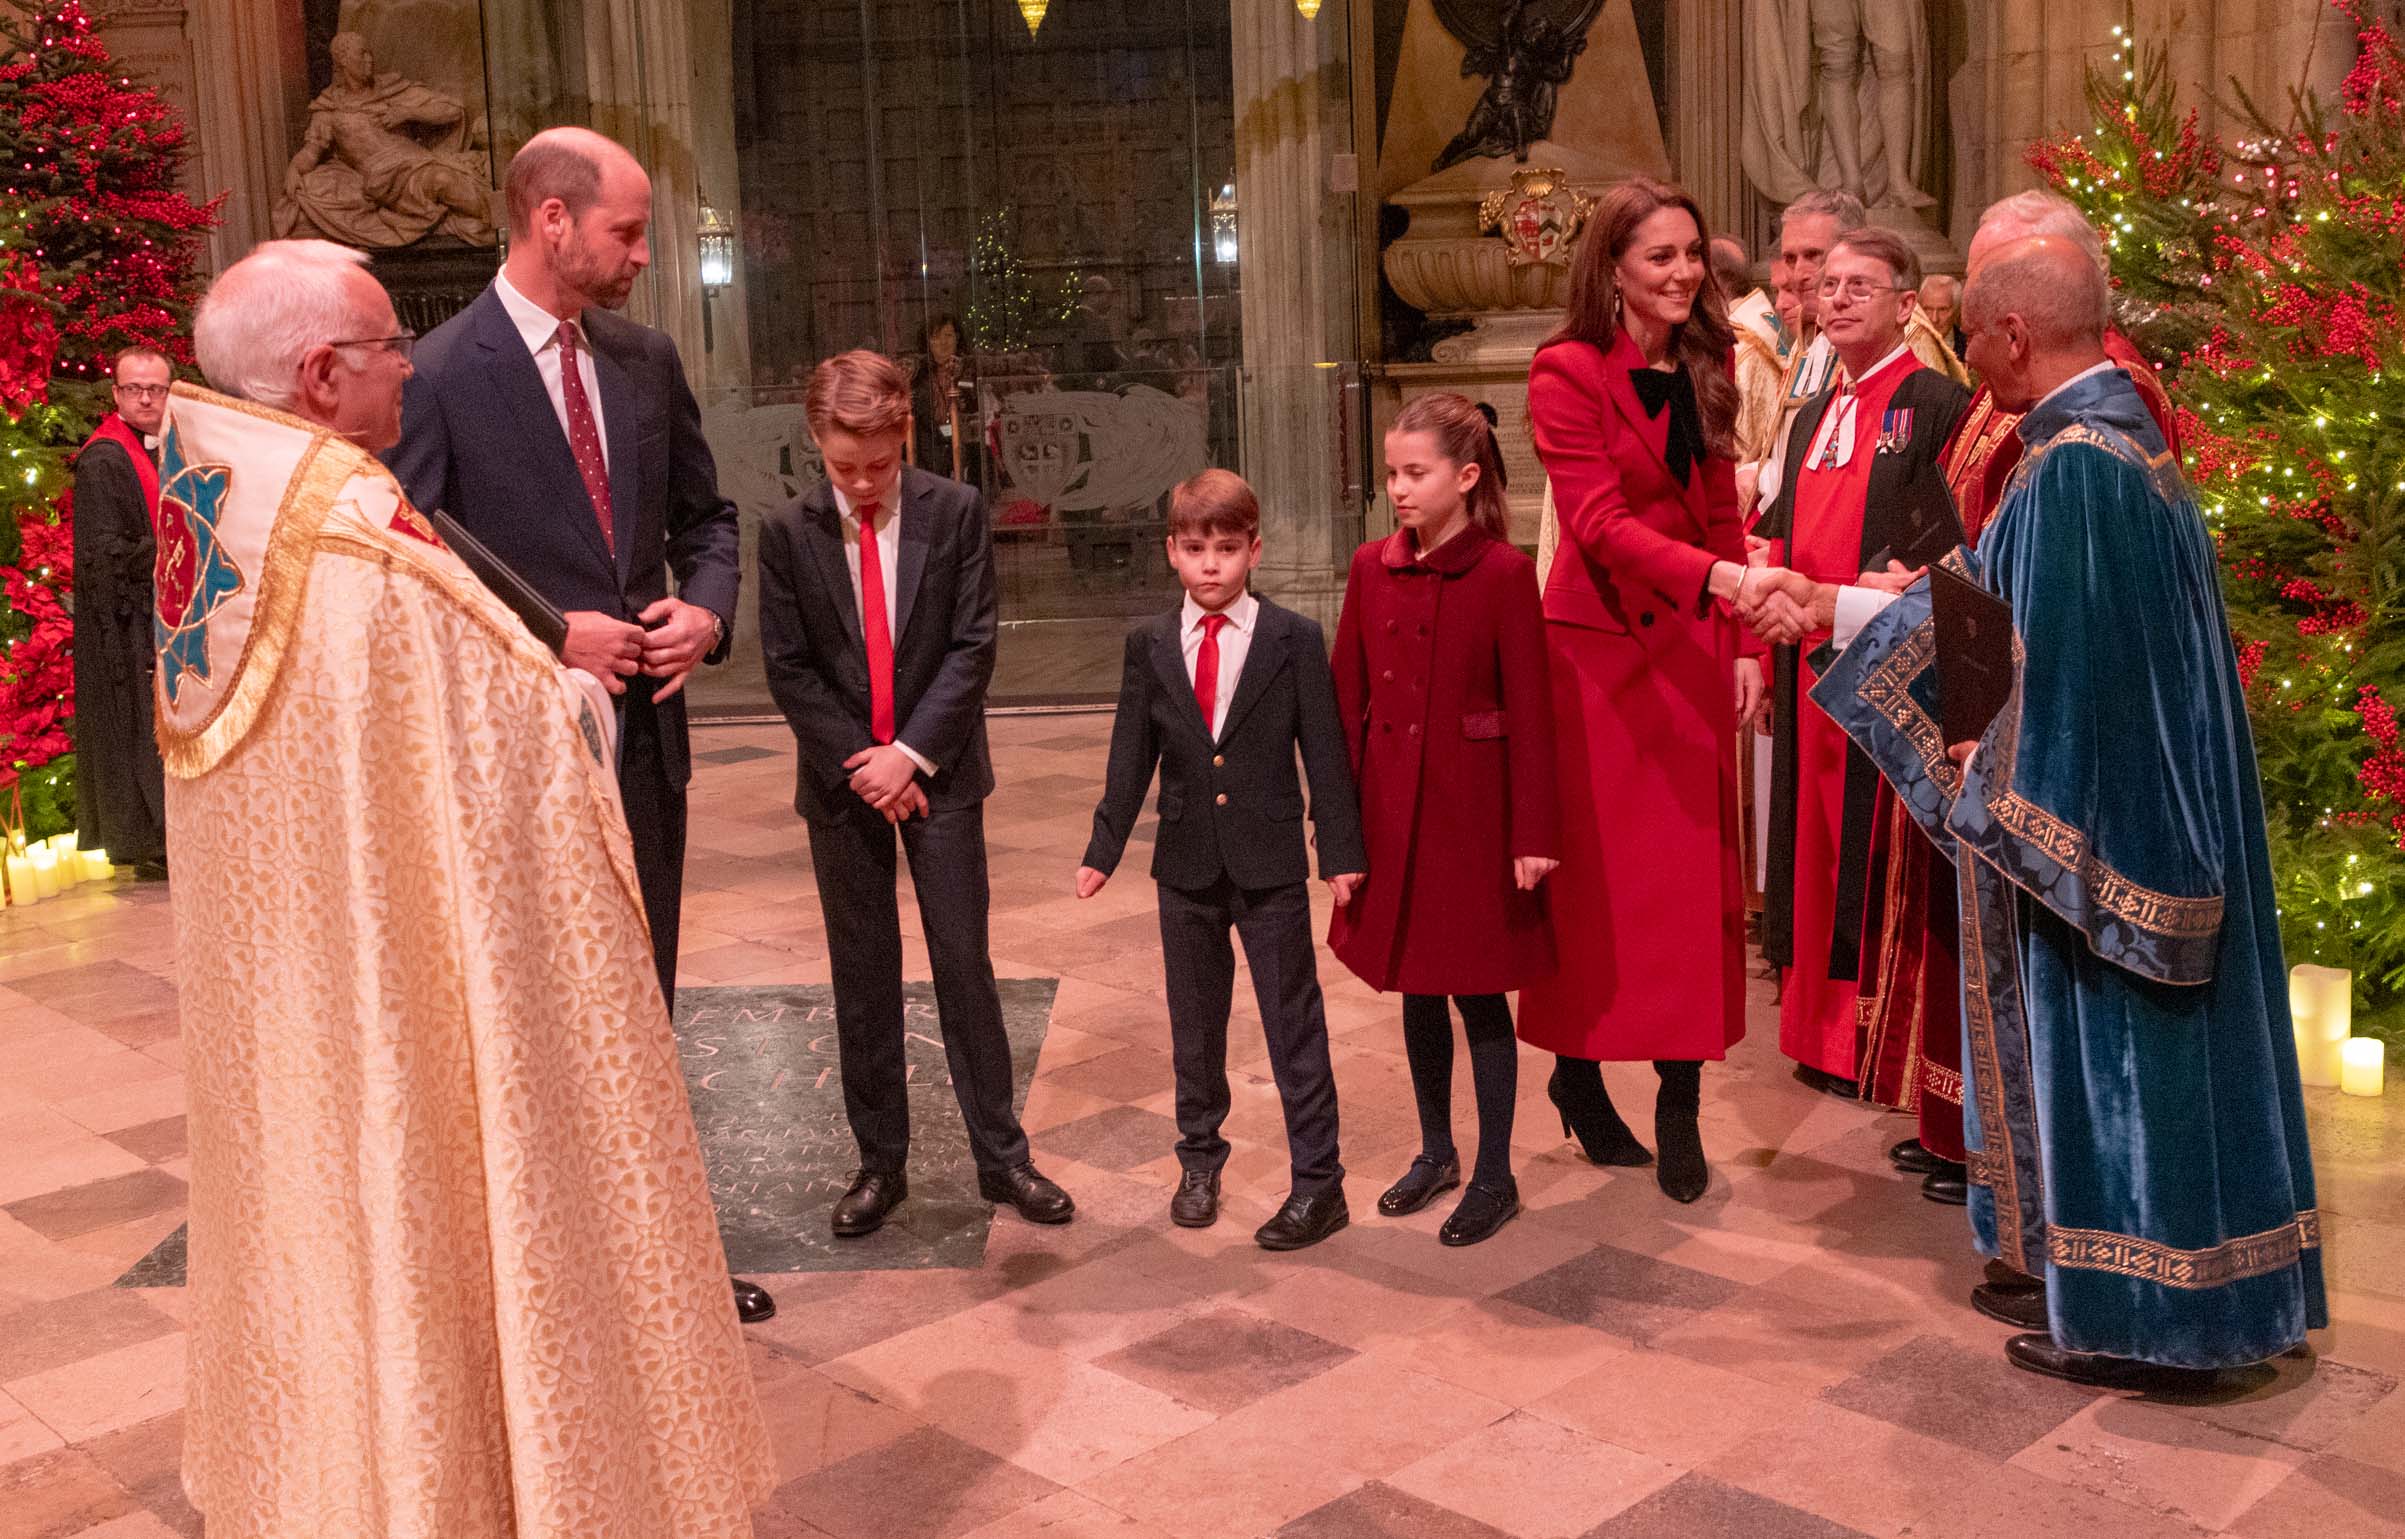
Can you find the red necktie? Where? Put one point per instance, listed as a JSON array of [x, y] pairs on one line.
[[584, 437], [1206, 671], [877, 627]]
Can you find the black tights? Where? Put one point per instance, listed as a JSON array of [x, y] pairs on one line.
[[1494, 1075]]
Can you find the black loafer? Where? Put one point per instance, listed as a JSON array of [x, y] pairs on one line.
[[1483, 1209], [2007, 1278], [2039, 1354], [1949, 1183], [874, 1195], [1828, 1084], [1038, 1200], [752, 1303], [1304, 1221], [1419, 1185], [1912, 1157], [2022, 1308], [1196, 1205]]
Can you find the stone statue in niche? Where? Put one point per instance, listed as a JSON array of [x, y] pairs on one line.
[[386, 161], [1526, 49], [1836, 96]]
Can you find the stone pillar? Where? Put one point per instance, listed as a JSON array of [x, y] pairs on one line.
[[245, 126], [1294, 242], [1707, 99]]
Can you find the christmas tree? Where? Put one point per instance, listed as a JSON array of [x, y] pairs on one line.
[[98, 252], [2266, 281]]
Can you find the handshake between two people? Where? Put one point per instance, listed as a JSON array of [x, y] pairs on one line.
[[1783, 606]]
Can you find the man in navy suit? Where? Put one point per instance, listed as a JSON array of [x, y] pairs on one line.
[[564, 437]]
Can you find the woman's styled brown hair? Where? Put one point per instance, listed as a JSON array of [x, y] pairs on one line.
[[1701, 344], [1464, 437], [1214, 502]]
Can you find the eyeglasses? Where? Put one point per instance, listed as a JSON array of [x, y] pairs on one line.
[[400, 343], [144, 392], [1853, 291]]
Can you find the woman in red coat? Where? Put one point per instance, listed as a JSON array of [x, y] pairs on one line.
[[1634, 411], [1440, 683]]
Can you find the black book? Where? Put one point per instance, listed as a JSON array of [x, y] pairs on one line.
[[1974, 653], [541, 616], [1928, 524]]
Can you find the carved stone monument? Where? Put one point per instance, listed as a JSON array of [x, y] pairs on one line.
[[385, 162], [1566, 111], [1838, 95]]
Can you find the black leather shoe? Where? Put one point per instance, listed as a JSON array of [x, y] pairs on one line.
[[752, 1303], [1949, 1183], [1038, 1200], [1828, 1084], [1304, 1221], [1420, 1184], [2039, 1354], [2020, 1307], [1912, 1158], [2013, 1281], [874, 1194], [1601, 1134], [1483, 1209], [1196, 1205]]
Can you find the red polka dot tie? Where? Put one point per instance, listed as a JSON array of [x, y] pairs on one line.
[[584, 435]]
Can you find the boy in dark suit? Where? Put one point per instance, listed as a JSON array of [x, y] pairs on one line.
[[1220, 693], [886, 699]]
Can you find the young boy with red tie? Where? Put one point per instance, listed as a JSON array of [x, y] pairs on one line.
[[877, 627], [1220, 693]]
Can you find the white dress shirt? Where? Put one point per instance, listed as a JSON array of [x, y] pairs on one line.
[[1235, 640], [539, 329], [889, 561]]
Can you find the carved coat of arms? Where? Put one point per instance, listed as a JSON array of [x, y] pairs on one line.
[[1539, 216]]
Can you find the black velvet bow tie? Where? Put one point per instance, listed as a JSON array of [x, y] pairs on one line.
[[1683, 445]]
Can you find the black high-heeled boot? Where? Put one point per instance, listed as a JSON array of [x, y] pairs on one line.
[[1682, 1175], [1577, 1092]]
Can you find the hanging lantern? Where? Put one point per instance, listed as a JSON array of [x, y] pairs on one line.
[[1309, 8], [715, 233], [1032, 11]]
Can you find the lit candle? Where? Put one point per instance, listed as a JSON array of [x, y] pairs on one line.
[[41, 863], [2323, 1002], [96, 865], [2366, 1059], [20, 879]]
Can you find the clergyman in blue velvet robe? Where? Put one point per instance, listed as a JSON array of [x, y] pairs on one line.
[[2135, 1126]]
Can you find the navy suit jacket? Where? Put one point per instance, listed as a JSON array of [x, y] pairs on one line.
[[1231, 807], [944, 633], [479, 439]]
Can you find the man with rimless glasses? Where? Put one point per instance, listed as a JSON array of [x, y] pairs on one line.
[[119, 792]]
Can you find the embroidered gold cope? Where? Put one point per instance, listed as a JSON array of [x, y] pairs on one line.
[[454, 1268]]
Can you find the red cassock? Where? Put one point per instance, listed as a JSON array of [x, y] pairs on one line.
[[1441, 685], [1649, 903]]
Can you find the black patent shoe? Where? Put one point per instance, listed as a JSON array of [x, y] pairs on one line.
[[1949, 1183], [2039, 1354], [752, 1303], [1912, 1157], [874, 1195], [2012, 1279], [1039, 1201], [1601, 1134], [1419, 1185], [1828, 1084], [1483, 1209], [1304, 1221], [1196, 1205], [2023, 1308]]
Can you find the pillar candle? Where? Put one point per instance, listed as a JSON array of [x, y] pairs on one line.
[[20, 880], [41, 863], [96, 867], [2366, 1060], [2323, 1001]]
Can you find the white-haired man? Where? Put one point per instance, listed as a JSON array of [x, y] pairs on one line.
[[2137, 1126], [454, 1268]]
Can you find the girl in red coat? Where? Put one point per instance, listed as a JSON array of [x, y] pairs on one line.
[[1440, 683], [1634, 410]]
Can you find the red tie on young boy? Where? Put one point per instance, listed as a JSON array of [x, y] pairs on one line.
[[876, 628], [1206, 670]]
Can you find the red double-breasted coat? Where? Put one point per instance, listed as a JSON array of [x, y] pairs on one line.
[[1440, 683], [1649, 903]]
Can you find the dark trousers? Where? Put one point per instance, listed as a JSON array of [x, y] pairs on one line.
[[853, 855], [1275, 925], [655, 822]]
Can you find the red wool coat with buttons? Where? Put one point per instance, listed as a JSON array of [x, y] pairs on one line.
[[1441, 687], [1649, 903]]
